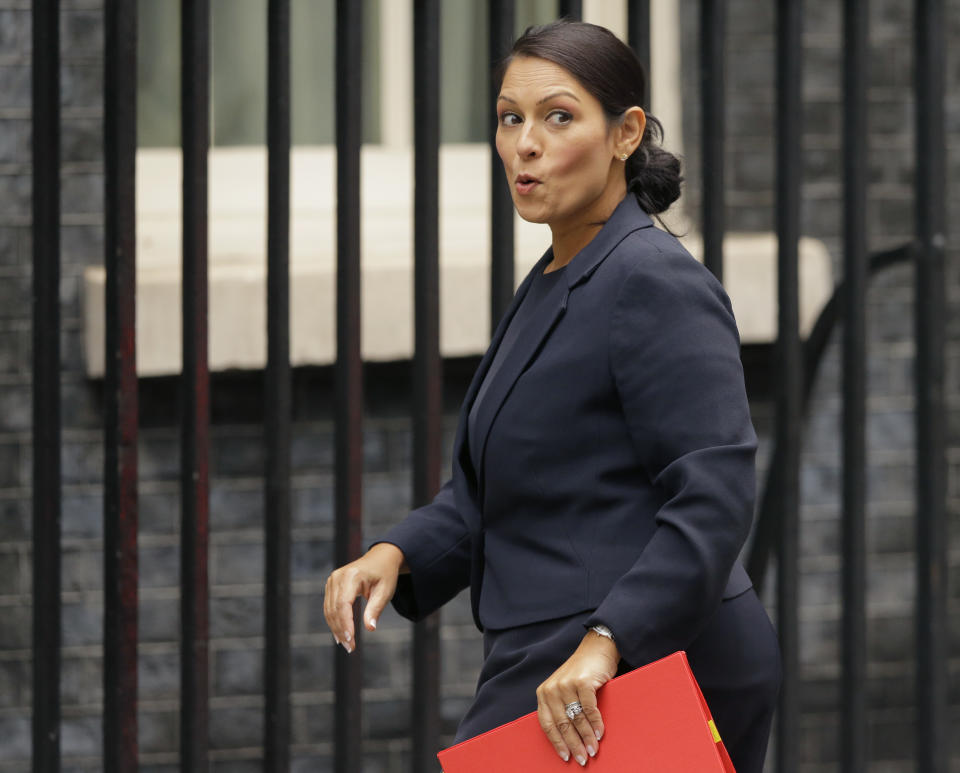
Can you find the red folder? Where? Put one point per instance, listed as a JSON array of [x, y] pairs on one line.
[[655, 721]]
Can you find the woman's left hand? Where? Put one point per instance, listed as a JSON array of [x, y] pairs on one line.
[[586, 671]]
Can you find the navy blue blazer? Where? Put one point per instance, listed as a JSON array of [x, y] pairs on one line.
[[630, 482]]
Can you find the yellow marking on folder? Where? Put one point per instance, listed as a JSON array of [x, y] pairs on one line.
[[713, 729]]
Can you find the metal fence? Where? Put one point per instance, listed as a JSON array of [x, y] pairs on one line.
[[778, 526]]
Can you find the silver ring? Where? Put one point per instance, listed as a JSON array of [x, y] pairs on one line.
[[572, 709]]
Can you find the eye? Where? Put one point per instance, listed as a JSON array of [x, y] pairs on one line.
[[510, 119], [559, 117]]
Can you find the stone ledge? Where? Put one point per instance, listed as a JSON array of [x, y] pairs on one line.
[[237, 248]]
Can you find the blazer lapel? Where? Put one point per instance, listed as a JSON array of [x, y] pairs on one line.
[[515, 361], [461, 450], [626, 218]]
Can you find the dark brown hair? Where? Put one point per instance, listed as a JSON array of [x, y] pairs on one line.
[[611, 72]]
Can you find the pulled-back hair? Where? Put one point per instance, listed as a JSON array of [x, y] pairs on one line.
[[612, 73]]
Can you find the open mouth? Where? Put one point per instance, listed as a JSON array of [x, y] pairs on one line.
[[526, 183]]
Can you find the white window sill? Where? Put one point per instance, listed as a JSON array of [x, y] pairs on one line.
[[237, 249]]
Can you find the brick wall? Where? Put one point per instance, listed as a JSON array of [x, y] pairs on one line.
[[237, 495], [750, 169]]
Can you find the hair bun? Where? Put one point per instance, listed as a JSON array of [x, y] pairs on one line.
[[653, 174]]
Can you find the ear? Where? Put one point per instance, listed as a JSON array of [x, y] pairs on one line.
[[630, 131]]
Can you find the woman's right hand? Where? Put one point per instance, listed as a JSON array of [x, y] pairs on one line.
[[373, 576]]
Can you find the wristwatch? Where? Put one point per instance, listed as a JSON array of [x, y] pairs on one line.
[[602, 630]]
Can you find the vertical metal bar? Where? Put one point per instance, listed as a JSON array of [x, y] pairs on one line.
[[854, 680], [571, 9], [277, 414], [790, 377], [712, 129], [427, 394], [638, 36], [46, 386], [502, 20], [349, 374], [930, 320], [120, 390], [194, 389]]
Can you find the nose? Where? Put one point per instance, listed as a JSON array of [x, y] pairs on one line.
[[528, 143]]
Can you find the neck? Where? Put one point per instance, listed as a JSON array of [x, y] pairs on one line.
[[573, 234]]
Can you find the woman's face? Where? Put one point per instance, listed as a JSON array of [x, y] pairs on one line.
[[558, 150]]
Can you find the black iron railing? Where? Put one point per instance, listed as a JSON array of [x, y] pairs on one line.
[[779, 522]]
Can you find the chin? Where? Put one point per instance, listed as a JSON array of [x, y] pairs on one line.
[[530, 214]]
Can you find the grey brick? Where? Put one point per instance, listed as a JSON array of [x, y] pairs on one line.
[[236, 455], [9, 245], [81, 681], [159, 620], [84, 31], [14, 145], [82, 194], [10, 466], [14, 86], [82, 244], [15, 197], [237, 564], [236, 616], [312, 667], [81, 85], [82, 623], [386, 664], [311, 449], [319, 764], [15, 32], [159, 512], [233, 728], [157, 731], [240, 672], [158, 457], [82, 140], [15, 732], [158, 675], [889, 639], [239, 766], [82, 569], [312, 559], [82, 461], [82, 515], [312, 505], [15, 679], [235, 508], [159, 566]]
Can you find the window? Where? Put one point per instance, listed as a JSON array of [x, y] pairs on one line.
[[238, 66]]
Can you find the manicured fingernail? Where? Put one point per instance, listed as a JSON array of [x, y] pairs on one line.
[[346, 636], [591, 751], [599, 734], [564, 756], [582, 760], [344, 645], [373, 623], [336, 639]]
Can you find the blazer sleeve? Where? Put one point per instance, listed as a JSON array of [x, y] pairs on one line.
[[675, 359], [437, 547]]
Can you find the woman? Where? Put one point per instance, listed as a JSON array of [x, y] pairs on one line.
[[603, 472]]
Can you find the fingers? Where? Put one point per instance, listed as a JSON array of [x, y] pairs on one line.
[[591, 716], [342, 589], [373, 576], [380, 594], [577, 737]]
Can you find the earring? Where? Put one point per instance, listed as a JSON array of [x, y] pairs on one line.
[[623, 156]]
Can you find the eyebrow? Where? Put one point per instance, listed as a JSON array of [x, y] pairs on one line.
[[547, 98]]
